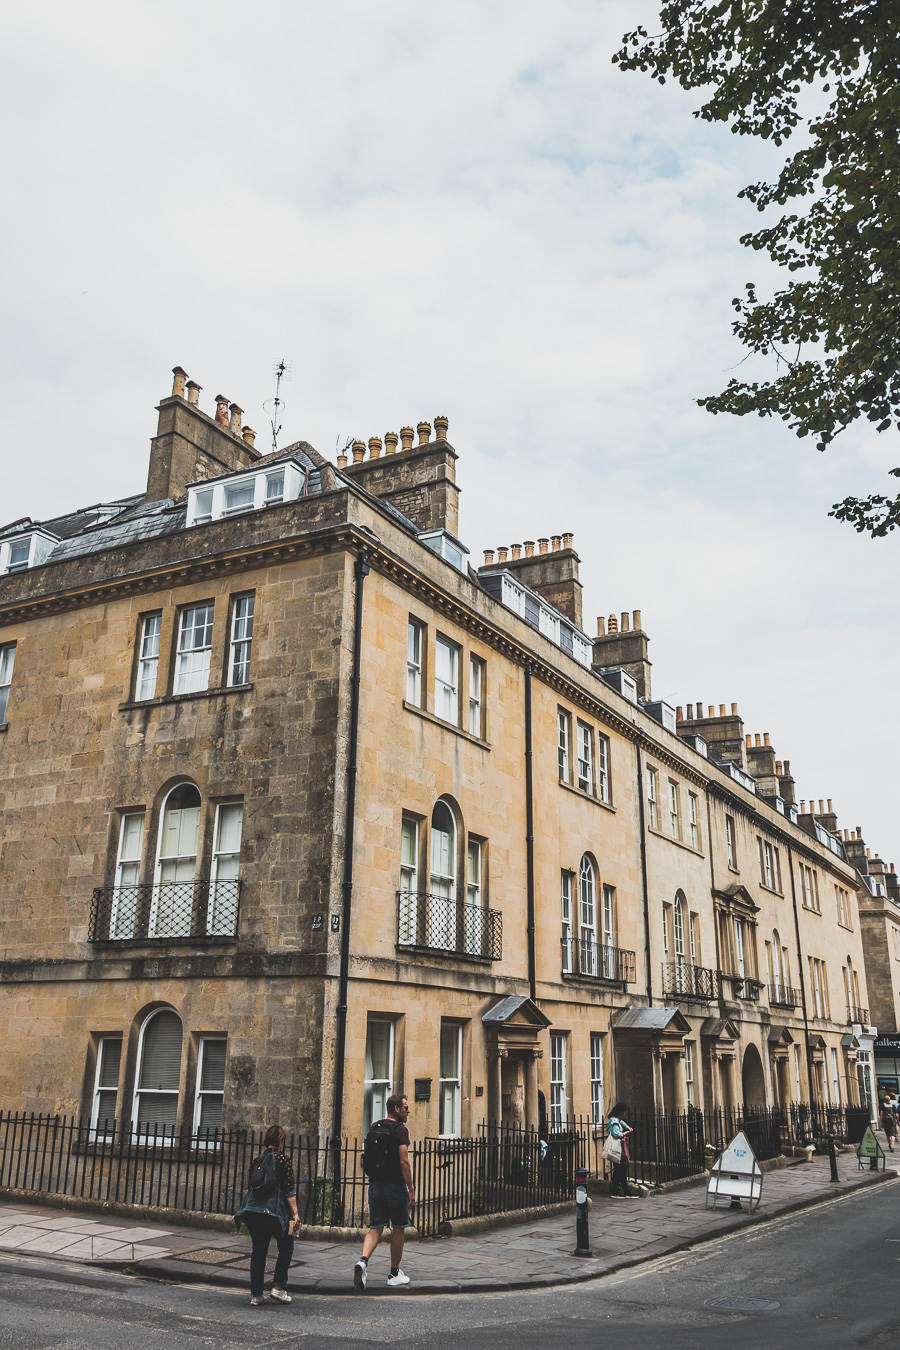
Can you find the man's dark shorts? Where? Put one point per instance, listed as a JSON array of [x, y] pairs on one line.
[[388, 1200]]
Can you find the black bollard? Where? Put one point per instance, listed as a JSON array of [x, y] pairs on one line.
[[832, 1158], [582, 1236]]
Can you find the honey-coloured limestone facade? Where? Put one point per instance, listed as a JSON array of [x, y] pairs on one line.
[[559, 891]]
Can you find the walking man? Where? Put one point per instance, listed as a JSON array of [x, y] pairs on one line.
[[391, 1190]]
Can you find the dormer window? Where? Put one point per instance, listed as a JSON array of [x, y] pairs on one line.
[[234, 495], [445, 546], [25, 550]]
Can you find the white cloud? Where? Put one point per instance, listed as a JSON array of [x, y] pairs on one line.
[[467, 211]]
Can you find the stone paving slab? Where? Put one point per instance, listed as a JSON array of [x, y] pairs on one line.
[[528, 1255]]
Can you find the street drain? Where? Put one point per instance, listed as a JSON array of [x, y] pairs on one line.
[[742, 1304]]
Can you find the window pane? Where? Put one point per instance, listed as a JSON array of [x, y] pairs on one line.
[[450, 1052], [229, 831], [110, 1056], [212, 1077], [378, 1049], [275, 487], [210, 1113], [239, 497], [203, 501]]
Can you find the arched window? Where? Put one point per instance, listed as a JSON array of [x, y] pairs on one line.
[[176, 866], [442, 917], [587, 880], [159, 1074]]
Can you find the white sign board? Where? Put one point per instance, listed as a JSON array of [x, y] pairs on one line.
[[735, 1174]]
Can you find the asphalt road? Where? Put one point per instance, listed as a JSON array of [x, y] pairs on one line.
[[832, 1270]]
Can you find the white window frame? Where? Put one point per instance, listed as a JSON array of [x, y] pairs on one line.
[[139, 1092], [587, 916], [385, 1085], [596, 1079], [689, 1070], [472, 915], [730, 841], [201, 1092], [102, 1042], [220, 858], [446, 690], [693, 934], [740, 949], [476, 697], [607, 951], [653, 798], [7, 665], [193, 676], [563, 735], [277, 497], [678, 929], [148, 657], [158, 882], [123, 862], [674, 810], [602, 768], [409, 881], [559, 1099], [207, 500], [693, 820], [243, 608], [565, 888], [415, 634], [452, 1084], [585, 757], [513, 597], [835, 1077]]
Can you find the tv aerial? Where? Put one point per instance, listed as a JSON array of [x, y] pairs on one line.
[[275, 407]]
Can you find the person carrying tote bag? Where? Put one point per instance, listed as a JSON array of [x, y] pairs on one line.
[[269, 1210], [615, 1150]]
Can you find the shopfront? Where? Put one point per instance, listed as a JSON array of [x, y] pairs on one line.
[[887, 1062]]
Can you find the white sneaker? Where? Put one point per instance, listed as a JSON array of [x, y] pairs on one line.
[[396, 1281], [258, 1302], [280, 1296], [360, 1275]]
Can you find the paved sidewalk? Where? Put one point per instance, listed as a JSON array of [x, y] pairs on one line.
[[528, 1255]]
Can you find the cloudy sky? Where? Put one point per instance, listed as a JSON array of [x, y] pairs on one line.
[[463, 210]]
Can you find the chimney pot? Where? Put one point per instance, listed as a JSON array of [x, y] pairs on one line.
[[193, 392], [406, 438], [567, 540], [859, 832], [529, 548], [342, 461], [359, 451], [178, 382], [441, 426], [222, 410], [249, 436], [424, 430], [679, 714], [543, 545], [821, 807], [892, 867], [234, 423], [516, 551], [711, 712], [802, 806], [601, 626], [756, 740], [721, 709], [501, 554], [390, 442], [765, 738], [734, 711], [556, 541], [612, 624], [787, 768], [636, 620], [624, 625], [488, 556], [749, 741], [778, 767], [690, 712], [868, 853], [830, 812], [374, 447]]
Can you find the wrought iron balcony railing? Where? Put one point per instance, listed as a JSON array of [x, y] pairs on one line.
[[783, 996], [692, 983], [597, 960], [855, 1014], [161, 910], [439, 923]]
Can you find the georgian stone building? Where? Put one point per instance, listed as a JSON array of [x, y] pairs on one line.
[[299, 807]]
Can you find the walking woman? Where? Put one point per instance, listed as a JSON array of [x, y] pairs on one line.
[[889, 1122], [617, 1132], [268, 1214]]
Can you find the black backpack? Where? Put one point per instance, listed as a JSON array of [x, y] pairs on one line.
[[381, 1151], [263, 1176]]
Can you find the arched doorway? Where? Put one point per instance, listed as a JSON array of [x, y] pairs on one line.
[[753, 1079]]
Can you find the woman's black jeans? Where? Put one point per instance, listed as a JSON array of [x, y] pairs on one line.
[[262, 1228], [620, 1178]]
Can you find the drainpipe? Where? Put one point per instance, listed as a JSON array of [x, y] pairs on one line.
[[809, 1070], [360, 572], [529, 834], [640, 788]]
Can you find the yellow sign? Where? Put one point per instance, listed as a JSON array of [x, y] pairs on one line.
[[869, 1146]]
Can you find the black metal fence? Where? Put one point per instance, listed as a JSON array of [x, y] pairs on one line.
[[441, 924], [165, 909], [497, 1171]]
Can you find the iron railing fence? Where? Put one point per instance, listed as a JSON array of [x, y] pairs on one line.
[[855, 1014], [497, 1171], [784, 996], [597, 960], [158, 911], [441, 924], [697, 983]]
